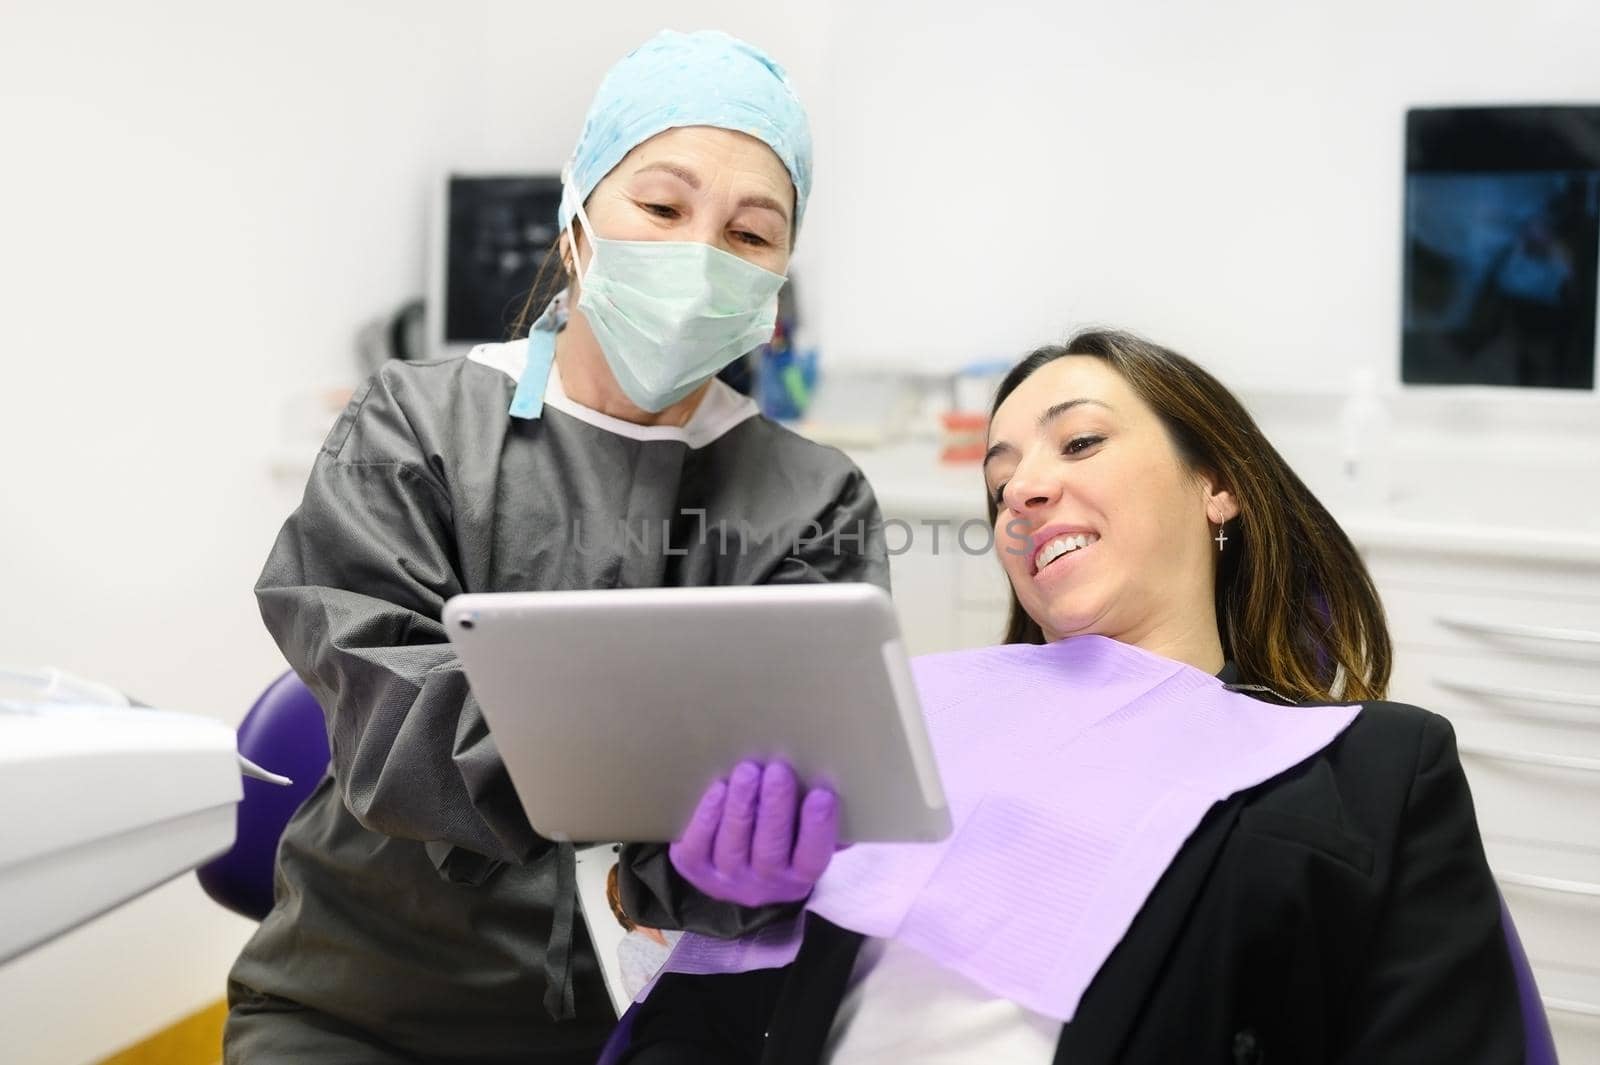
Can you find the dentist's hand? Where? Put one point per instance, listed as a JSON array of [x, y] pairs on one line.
[[754, 841]]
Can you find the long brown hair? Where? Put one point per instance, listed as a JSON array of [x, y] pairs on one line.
[[1296, 609]]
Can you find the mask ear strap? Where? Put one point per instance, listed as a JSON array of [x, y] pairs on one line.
[[579, 215]]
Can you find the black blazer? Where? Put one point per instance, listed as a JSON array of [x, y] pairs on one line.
[[1342, 911]]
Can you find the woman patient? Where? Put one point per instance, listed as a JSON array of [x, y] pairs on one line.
[[1341, 911]]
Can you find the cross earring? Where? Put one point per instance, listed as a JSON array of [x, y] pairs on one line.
[[1221, 537]]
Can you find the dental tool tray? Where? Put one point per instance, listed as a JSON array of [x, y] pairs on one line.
[[614, 709]]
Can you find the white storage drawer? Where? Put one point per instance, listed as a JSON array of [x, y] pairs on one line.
[[1504, 573], [1495, 623], [1537, 819], [1503, 701]]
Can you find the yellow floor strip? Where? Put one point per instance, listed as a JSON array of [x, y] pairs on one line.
[[195, 1040]]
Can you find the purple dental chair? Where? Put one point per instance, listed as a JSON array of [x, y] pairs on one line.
[[1538, 1042], [285, 733]]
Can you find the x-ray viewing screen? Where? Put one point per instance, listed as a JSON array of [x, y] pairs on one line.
[[497, 231], [1502, 243]]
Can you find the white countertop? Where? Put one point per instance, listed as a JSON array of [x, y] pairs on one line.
[[911, 483]]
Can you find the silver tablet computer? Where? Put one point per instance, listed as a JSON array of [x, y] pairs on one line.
[[615, 709]]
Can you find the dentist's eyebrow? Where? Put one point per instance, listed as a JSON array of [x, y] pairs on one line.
[[677, 170], [766, 203], [691, 179]]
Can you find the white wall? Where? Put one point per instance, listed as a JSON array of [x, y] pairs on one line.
[[1223, 176], [200, 203]]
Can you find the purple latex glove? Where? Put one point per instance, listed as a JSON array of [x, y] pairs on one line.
[[743, 845]]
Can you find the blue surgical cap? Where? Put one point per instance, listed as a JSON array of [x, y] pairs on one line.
[[690, 79]]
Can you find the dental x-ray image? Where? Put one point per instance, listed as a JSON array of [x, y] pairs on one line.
[[499, 229], [1502, 241]]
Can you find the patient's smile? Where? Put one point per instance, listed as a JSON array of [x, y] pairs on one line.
[[1060, 546]]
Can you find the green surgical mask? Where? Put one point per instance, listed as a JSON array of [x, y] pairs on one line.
[[670, 313]]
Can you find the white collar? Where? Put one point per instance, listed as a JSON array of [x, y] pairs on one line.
[[719, 411]]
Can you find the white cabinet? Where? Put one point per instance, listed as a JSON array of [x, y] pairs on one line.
[[923, 584], [949, 590], [1508, 648]]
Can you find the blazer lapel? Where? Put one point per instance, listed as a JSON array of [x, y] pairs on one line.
[[1116, 997]]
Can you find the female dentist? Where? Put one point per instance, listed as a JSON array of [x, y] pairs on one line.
[[418, 916]]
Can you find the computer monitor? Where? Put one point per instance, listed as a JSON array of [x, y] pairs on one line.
[[490, 234], [1502, 246]]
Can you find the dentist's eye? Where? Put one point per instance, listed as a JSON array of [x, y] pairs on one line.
[[753, 239], [660, 210], [1080, 444]]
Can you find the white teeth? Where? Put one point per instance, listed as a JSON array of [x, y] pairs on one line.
[[1061, 545]]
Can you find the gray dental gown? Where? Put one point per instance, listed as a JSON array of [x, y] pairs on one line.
[[418, 917]]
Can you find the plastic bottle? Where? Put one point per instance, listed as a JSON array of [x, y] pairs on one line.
[[1366, 442]]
